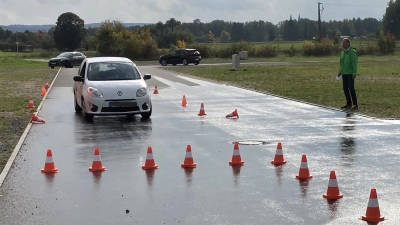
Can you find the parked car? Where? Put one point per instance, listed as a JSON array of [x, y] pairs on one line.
[[67, 59], [111, 86], [181, 56]]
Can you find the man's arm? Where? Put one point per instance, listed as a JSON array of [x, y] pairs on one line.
[[354, 62]]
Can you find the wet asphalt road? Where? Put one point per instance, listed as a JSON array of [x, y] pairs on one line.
[[363, 152]]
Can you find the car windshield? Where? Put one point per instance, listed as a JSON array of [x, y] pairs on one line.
[[65, 54], [102, 71]]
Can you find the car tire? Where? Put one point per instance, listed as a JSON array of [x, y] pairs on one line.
[[196, 63], [174, 64], [147, 115], [164, 62], [185, 62], [78, 109], [67, 64], [52, 67], [88, 117]]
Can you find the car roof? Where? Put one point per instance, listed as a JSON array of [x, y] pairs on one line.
[[107, 59]]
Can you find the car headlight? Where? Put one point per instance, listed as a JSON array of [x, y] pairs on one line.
[[141, 92], [94, 92]]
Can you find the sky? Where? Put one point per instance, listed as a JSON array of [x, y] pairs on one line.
[[39, 12]]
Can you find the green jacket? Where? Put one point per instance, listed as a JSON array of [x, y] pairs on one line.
[[348, 62]]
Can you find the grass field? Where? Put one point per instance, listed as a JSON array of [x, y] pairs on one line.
[[19, 79], [377, 85]]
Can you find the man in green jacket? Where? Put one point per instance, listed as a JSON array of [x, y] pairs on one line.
[[348, 71]]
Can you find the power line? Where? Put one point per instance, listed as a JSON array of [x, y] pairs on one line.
[[341, 5]]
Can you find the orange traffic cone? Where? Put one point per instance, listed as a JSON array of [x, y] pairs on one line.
[[184, 103], [97, 165], [236, 159], [149, 164], [304, 174], [202, 111], [373, 213], [43, 90], [49, 166], [36, 119], [47, 85], [155, 90], [30, 103], [233, 114], [333, 190], [188, 162], [278, 159]]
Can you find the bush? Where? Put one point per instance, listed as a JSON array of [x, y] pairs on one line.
[[266, 51], [323, 48], [291, 52], [4, 47], [228, 51], [367, 50]]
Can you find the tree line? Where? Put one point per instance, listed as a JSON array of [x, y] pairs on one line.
[[70, 34]]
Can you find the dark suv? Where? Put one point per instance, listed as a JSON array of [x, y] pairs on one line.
[[181, 56]]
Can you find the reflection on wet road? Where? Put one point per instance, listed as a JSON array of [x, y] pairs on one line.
[[363, 152]]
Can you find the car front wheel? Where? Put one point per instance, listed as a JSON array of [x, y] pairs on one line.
[[164, 62], [86, 115], [185, 62], [78, 109], [196, 63], [147, 115]]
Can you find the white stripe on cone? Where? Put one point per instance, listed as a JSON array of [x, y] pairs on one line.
[[332, 183], [96, 158], [236, 152], [149, 156], [188, 155], [303, 165], [373, 203], [49, 159], [278, 152]]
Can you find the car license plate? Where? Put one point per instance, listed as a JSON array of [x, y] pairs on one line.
[[122, 104], [53, 63]]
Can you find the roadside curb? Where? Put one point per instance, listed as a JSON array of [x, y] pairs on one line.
[[15, 152], [278, 96]]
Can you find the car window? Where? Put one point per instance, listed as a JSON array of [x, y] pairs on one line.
[[63, 55], [103, 71], [77, 54], [173, 52]]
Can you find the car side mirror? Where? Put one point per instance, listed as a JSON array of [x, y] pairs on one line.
[[78, 79], [147, 76]]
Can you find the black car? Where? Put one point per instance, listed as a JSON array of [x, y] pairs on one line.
[[67, 59], [181, 56]]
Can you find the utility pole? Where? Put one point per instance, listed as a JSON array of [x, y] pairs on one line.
[[319, 22]]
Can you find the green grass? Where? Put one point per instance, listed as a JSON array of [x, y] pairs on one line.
[[377, 85], [19, 79]]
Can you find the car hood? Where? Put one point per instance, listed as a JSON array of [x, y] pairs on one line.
[[109, 89]]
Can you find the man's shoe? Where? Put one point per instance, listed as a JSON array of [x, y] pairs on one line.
[[354, 107], [345, 107]]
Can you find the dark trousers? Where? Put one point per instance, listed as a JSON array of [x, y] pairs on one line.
[[348, 88]]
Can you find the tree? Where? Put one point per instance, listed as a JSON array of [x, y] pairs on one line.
[[225, 37], [69, 32], [172, 24], [391, 19], [271, 34]]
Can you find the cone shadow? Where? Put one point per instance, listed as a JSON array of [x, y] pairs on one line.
[[188, 175], [97, 178], [236, 174], [333, 207], [303, 187], [279, 173], [50, 177], [150, 177]]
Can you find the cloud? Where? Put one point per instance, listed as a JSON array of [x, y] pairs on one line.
[[152, 11]]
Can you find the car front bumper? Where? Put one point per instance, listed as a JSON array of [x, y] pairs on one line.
[[104, 106], [55, 63]]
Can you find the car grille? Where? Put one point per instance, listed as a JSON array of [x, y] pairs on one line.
[[120, 109]]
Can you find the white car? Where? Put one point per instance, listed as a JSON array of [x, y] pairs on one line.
[[111, 86]]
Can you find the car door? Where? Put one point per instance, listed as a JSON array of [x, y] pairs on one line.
[[180, 55], [172, 57], [78, 86]]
